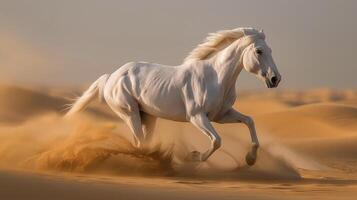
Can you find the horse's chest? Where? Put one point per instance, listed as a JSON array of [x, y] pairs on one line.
[[213, 100], [219, 102]]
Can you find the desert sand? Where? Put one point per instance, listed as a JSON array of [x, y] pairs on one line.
[[308, 139]]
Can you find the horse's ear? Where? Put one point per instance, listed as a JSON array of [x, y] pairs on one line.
[[262, 33]]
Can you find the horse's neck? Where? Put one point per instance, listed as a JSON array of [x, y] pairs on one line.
[[228, 63]]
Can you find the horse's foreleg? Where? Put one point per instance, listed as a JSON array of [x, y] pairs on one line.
[[203, 124], [233, 116]]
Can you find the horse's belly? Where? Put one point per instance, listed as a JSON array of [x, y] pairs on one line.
[[168, 107]]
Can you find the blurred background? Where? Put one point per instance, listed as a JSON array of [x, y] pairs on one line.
[[68, 43]]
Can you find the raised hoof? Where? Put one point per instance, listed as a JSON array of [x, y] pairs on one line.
[[194, 156], [250, 159]]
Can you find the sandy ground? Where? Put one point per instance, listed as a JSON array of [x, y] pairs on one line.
[[308, 139]]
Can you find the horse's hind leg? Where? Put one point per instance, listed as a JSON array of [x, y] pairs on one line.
[[133, 121], [148, 124]]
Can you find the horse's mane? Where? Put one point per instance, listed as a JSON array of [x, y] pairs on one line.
[[218, 41]]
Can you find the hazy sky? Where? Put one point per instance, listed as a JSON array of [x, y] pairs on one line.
[[69, 42]]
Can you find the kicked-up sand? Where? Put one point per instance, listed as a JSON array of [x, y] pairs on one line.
[[308, 150]]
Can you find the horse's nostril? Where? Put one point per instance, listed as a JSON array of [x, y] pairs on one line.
[[274, 80]]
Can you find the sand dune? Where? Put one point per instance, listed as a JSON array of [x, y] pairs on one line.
[[308, 146], [256, 106], [261, 102], [18, 103], [313, 120]]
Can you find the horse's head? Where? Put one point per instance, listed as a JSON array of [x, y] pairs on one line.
[[258, 60]]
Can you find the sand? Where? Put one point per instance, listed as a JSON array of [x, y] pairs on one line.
[[308, 139]]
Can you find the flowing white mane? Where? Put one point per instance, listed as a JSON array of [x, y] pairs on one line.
[[218, 41]]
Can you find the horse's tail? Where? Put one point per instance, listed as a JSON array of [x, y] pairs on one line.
[[95, 90]]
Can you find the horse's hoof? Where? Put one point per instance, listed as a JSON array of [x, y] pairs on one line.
[[194, 156], [250, 159]]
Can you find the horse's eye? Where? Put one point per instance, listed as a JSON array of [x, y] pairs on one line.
[[259, 52]]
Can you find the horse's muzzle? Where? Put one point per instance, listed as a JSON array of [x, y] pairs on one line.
[[272, 82]]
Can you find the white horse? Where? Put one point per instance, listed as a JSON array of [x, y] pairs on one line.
[[201, 90]]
